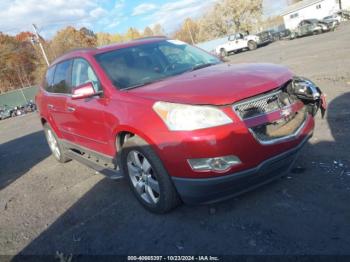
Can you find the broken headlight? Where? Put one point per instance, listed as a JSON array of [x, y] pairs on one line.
[[308, 92], [304, 88]]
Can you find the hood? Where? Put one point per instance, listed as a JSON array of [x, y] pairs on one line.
[[217, 85]]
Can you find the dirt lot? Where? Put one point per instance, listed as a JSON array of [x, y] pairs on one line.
[[47, 207]]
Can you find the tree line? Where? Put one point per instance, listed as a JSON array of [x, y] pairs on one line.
[[21, 60], [22, 64]]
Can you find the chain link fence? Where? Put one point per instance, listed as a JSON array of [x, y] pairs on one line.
[[18, 97]]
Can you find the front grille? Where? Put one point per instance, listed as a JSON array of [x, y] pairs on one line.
[[262, 105], [281, 128]]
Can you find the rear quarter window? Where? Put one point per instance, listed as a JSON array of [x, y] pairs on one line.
[[49, 79]]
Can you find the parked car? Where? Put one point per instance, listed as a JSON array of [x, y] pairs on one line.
[[332, 18], [309, 27], [5, 112], [331, 23], [175, 121], [344, 14], [239, 42], [284, 34], [267, 36]]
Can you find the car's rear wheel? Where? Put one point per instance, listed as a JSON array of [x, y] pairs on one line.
[[147, 177], [54, 144], [252, 45]]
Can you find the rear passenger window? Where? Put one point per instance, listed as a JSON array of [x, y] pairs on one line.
[[49, 79], [61, 78]]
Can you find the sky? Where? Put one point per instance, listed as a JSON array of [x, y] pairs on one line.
[[104, 15]]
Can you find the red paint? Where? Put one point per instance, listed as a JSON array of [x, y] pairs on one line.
[[96, 121]]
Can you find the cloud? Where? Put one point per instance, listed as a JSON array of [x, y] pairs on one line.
[[143, 9], [171, 15], [49, 15], [98, 12]]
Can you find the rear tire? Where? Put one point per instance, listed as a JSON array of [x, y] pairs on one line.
[[252, 45], [147, 176], [56, 148]]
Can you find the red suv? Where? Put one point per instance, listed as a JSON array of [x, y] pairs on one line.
[[175, 121]]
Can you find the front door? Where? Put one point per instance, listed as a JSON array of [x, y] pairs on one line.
[[88, 115]]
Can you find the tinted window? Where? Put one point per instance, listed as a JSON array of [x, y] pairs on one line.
[[61, 78], [49, 79], [83, 73], [144, 64]]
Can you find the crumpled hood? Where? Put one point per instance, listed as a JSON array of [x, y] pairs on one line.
[[217, 85]]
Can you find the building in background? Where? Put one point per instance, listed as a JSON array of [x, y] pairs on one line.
[[309, 9]]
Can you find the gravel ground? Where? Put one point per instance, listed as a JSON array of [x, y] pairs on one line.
[[47, 207]]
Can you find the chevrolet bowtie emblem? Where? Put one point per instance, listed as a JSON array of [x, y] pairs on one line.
[[286, 112]]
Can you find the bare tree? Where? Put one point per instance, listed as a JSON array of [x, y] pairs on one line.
[[230, 16]]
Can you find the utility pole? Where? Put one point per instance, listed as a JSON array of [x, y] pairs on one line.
[[41, 46], [189, 30]]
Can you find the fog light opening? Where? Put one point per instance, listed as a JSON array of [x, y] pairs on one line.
[[218, 164]]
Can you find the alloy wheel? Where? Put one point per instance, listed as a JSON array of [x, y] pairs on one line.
[[142, 177], [53, 144]]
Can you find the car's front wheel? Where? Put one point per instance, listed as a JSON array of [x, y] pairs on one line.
[[147, 177]]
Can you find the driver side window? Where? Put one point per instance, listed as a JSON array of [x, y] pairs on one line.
[[83, 73]]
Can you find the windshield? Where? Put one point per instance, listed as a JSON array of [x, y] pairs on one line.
[[144, 64]]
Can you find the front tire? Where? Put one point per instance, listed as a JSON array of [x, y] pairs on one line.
[[55, 146], [147, 177]]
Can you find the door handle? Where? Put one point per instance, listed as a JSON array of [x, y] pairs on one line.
[[70, 109], [49, 106]]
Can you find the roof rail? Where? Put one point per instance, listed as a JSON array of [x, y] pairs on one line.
[[80, 49], [150, 37]]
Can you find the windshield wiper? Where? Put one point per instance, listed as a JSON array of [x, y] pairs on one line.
[[143, 84], [200, 66], [138, 85]]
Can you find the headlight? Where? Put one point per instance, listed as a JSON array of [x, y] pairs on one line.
[[179, 117], [305, 88]]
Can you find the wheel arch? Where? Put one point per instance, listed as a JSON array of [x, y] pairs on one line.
[[123, 132], [44, 120]]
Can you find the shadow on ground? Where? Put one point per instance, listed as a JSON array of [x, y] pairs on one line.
[[307, 213], [20, 155]]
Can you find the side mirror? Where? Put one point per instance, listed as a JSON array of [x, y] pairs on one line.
[[84, 91]]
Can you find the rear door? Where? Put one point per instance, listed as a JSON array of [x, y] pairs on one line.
[[57, 92]]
